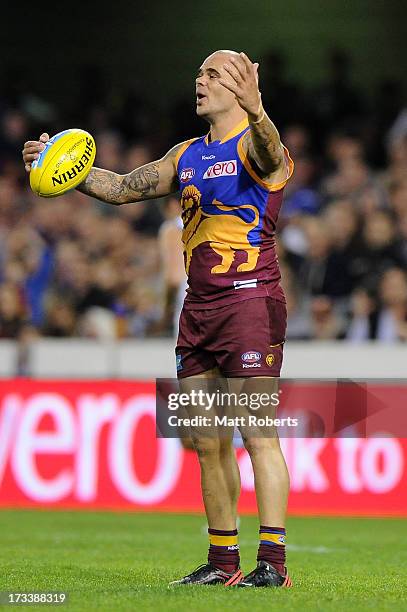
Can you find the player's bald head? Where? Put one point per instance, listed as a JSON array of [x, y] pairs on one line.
[[221, 54]]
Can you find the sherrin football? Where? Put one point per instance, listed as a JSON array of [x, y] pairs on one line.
[[63, 164]]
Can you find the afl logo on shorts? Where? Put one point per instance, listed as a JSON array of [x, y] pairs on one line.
[[270, 359], [251, 356], [186, 174]]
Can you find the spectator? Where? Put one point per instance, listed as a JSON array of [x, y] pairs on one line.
[[60, 318], [313, 271], [398, 197], [379, 250], [172, 264], [325, 322], [386, 320], [13, 313], [392, 324]]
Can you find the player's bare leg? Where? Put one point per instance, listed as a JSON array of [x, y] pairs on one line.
[[271, 481], [271, 477], [220, 482], [220, 478]]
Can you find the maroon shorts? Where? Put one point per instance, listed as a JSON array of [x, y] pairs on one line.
[[242, 339]]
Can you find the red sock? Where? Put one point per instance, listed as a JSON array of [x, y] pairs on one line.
[[224, 550], [272, 547]]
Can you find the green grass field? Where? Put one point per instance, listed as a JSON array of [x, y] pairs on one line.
[[109, 561]]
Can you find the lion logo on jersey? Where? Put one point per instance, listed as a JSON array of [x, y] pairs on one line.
[[226, 233], [190, 202]]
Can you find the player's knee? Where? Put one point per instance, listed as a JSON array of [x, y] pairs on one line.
[[208, 449], [187, 443], [226, 447], [255, 446]]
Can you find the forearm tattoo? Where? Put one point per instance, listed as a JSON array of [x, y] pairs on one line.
[[114, 188], [264, 145], [142, 182]]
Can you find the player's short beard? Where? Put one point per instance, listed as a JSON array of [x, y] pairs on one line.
[[205, 115]]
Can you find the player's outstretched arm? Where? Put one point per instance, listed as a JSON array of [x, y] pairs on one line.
[[153, 180], [262, 142]]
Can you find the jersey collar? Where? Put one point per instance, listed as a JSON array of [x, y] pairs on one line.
[[233, 132]]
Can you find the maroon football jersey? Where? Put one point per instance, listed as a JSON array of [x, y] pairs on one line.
[[229, 215]]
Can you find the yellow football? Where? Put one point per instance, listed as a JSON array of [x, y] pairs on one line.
[[63, 164]]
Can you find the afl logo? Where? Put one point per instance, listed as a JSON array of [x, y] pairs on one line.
[[186, 174], [251, 356]]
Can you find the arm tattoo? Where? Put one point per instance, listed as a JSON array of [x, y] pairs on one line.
[[153, 180], [141, 183], [118, 189], [264, 146], [103, 185]]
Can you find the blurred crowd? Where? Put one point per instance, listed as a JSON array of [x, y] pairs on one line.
[[73, 266]]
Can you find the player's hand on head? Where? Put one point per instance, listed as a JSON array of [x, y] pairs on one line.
[[32, 149], [243, 83]]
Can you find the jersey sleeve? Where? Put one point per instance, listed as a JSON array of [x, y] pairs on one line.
[[182, 150]]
